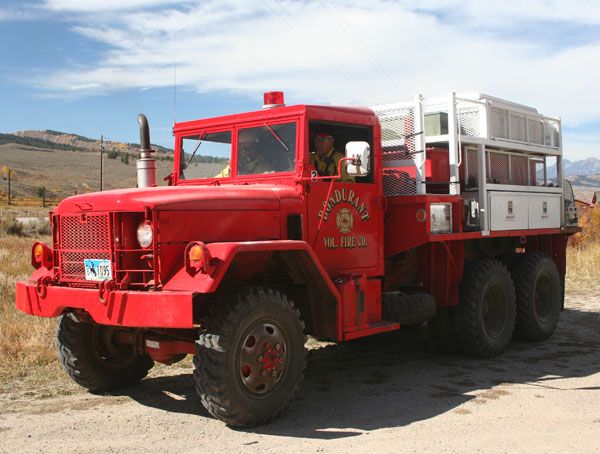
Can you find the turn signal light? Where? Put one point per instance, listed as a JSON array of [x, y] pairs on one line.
[[197, 257], [41, 255], [196, 253]]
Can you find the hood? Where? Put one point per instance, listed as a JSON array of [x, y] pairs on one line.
[[215, 198]]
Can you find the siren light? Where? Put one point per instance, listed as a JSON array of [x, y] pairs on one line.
[[273, 99]]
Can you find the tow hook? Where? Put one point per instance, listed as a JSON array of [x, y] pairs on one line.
[[104, 289], [41, 286]]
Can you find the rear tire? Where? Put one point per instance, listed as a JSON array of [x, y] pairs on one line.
[[485, 317], [89, 354], [250, 361], [539, 296]]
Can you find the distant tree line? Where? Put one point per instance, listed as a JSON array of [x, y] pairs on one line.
[[58, 133], [43, 143], [38, 143], [207, 159], [124, 156]]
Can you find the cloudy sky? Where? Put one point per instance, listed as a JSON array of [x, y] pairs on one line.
[[89, 67]]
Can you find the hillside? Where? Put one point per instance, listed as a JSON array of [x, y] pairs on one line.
[[66, 164], [64, 172], [67, 141], [585, 180]]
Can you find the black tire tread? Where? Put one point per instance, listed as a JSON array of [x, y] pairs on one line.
[[468, 323], [211, 347], [72, 345], [524, 273]]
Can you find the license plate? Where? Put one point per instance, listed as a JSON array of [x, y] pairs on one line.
[[97, 269]]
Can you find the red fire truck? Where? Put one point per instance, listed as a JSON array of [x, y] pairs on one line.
[[454, 213]]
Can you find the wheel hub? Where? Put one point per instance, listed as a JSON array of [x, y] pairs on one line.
[[494, 310], [262, 358]]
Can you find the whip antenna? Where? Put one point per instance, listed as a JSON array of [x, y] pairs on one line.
[[174, 78]]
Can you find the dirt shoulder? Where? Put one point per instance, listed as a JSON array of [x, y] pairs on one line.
[[382, 394]]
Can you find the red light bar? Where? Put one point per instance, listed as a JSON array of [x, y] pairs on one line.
[[273, 99]]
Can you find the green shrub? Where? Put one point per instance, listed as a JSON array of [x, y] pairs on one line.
[[39, 228], [11, 226]]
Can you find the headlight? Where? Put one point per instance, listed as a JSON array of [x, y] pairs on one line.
[[144, 235], [440, 215]]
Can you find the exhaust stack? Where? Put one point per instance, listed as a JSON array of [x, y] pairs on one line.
[[146, 165]]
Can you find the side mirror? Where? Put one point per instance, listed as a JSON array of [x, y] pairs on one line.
[[359, 151]]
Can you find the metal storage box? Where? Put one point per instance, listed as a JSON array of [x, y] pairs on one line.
[[509, 210], [544, 211]]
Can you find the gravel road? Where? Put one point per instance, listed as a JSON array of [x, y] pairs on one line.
[[387, 393]]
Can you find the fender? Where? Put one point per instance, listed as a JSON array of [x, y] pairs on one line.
[[325, 302]]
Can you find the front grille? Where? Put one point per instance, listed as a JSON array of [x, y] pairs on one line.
[[90, 233], [82, 237]]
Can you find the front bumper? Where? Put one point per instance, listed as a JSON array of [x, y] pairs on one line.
[[159, 309]]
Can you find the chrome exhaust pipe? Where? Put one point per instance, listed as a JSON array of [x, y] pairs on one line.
[[146, 165]]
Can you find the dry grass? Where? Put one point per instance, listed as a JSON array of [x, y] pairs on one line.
[[583, 268], [583, 259], [27, 356]]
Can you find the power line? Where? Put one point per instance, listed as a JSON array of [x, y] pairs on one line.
[[354, 36], [307, 36]]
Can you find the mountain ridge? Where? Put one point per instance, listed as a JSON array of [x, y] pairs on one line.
[[582, 167]]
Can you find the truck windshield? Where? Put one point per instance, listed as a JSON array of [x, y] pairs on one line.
[[266, 149], [205, 155]]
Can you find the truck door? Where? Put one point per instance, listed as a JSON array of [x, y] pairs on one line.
[[343, 217]]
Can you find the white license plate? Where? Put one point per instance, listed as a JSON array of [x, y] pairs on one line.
[[97, 269]]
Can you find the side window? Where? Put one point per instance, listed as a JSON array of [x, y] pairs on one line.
[[327, 142], [267, 149], [205, 155]]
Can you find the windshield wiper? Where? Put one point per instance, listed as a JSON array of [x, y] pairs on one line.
[[277, 137], [195, 149]]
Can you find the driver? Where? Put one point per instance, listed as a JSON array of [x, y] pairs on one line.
[[251, 159], [326, 158]]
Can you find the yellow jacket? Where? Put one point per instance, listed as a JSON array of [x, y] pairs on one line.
[[328, 165]]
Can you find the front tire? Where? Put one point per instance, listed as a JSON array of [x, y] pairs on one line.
[[91, 356], [539, 296], [485, 317], [250, 361]]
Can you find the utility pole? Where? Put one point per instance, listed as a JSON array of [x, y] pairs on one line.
[[101, 162], [8, 172]]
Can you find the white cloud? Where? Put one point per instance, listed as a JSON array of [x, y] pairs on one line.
[[22, 12], [103, 5], [508, 12], [307, 49]]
